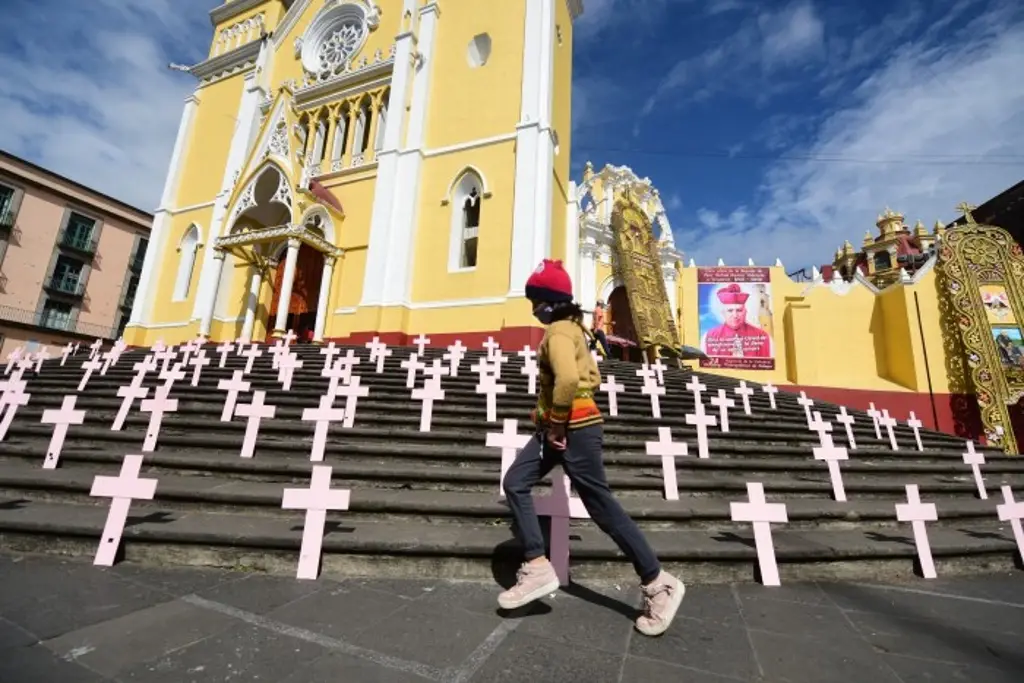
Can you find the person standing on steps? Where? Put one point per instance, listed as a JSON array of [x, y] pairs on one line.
[[570, 433], [597, 328]]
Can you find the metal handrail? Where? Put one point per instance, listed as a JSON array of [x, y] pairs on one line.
[[68, 284], [52, 322], [73, 240]]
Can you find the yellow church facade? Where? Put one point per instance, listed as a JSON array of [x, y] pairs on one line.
[[356, 168]]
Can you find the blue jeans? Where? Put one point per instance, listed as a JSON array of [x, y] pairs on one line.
[[582, 462]]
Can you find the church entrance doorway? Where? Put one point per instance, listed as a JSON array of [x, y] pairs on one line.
[[309, 270], [622, 333]]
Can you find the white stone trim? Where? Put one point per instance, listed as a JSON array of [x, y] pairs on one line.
[[572, 239], [231, 9], [485, 189], [431, 305], [229, 62], [193, 207], [146, 289], [471, 144]]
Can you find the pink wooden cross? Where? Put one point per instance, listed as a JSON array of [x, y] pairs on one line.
[[382, 355], [198, 362], [456, 352], [723, 403], [240, 344], [806, 403], [1012, 511], [64, 353], [165, 356], [276, 351], [560, 506], [421, 344], [744, 392], [146, 365], [157, 347], [430, 391], [845, 419], [489, 386], [701, 420], [668, 450], [129, 393], [13, 357], [493, 348], [157, 407], [286, 367], [917, 513], [696, 388], [435, 371], [94, 349], [889, 422], [819, 426], [122, 490], [412, 366], [874, 415], [916, 425], [337, 374], [831, 455], [485, 366], [761, 514], [109, 358], [14, 396], [771, 390], [976, 460], [251, 354], [224, 349], [655, 391], [233, 386], [186, 351], [527, 354], [316, 501], [90, 366], [612, 388], [329, 352], [531, 371], [42, 355], [289, 337], [323, 416], [24, 365], [352, 391], [374, 346], [510, 441], [173, 375], [60, 419], [78, 345], [253, 412]]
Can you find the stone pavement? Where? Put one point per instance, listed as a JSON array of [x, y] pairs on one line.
[[65, 620]]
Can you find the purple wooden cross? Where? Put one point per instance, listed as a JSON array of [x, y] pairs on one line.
[[668, 450], [412, 366], [14, 396], [254, 412], [917, 513], [1012, 511], [198, 362], [233, 386], [612, 388], [323, 416], [701, 420], [647, 374], [289, 337], [90, 366], [12, 358], [510, 441], [157, 347], [61, 420], [761, 515], [316, 501], [157, 407], [173, 375], [818, 425], [276, 351], [337, 374], [122, 490], [560, 506], [976, 460]]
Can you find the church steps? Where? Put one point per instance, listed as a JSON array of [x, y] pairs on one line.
[[266, 543]]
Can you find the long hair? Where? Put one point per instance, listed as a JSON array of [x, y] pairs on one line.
[[574, 312]]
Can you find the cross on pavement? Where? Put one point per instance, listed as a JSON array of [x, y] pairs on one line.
[[382, 355], [744, 392], [761, 515], [889, 422], [771, 390], [510, 441], [560, 506], [254, 412], [276, 351], [129, 393], [831, 455], [917, 513], [412, 366], [659, 369], [233, 386], [64, 353], [421, 343], [612, 388], [316, 501], [916, 425], [94, 348], [655, 391], [875, 415], [818, 425], [14, 396], [60, 419], [323, 415], [289, 337], [352, 391], [976, 460], [173, 375], [806, 403], [456, 352], [696, 388], [165, 357], [340, 372], [435, 371], [250, 355], [42, 355], [701, 420], [198, 362], [430, 391], [489, 387], [1013, 512], [286, 367], [157, 407], [90, 366], [375, 346], [845, 419], [647, 374], [723, 403], [122, 490], [492, 347], [329, 352], [668, 450]]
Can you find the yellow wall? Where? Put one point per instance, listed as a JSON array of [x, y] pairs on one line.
[[209, 141]]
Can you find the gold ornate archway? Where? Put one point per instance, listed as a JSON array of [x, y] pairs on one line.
[[983, 270]]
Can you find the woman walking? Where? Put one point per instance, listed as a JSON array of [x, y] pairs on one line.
[[570, 433]]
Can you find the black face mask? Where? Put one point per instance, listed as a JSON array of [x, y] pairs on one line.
[[544, 313]]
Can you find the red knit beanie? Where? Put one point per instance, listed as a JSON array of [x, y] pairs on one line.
[[549, 283]]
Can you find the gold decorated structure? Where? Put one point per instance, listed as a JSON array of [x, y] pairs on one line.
[[637, 263], [890, 255], [983, 272]]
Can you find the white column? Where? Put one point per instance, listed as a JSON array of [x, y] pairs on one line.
[[325, 295], [162, 219], [218, 267], [572, 239], [248, 119], [588, 277], [531, 219], [287, 279], [252, 304]]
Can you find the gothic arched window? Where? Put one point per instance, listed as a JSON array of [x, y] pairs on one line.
[[466, 196], [341, 130], [382, 120], [187, 250]]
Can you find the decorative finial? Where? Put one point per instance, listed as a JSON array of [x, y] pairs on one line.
[[966, 209]]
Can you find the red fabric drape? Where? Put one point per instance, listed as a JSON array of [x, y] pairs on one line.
[[309, 269]]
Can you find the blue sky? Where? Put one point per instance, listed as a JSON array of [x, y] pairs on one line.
[[775, 128]]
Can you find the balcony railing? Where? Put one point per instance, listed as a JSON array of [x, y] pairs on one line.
[[6, 219], [69, 285], [54, 320], [137, 261], [77, 241]]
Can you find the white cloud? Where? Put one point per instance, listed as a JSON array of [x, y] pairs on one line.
[[86, 91], [709, 219], [941, 121]]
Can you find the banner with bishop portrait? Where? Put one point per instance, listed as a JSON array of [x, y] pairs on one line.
[[737, 326]]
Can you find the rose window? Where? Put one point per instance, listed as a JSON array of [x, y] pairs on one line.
[[339, 46]]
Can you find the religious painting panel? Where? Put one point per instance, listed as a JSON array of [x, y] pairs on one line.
[[737, 320]]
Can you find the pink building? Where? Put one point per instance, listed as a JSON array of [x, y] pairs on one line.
[[70, 259]]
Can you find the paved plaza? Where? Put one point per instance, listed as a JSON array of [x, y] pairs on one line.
[[65, 620]]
